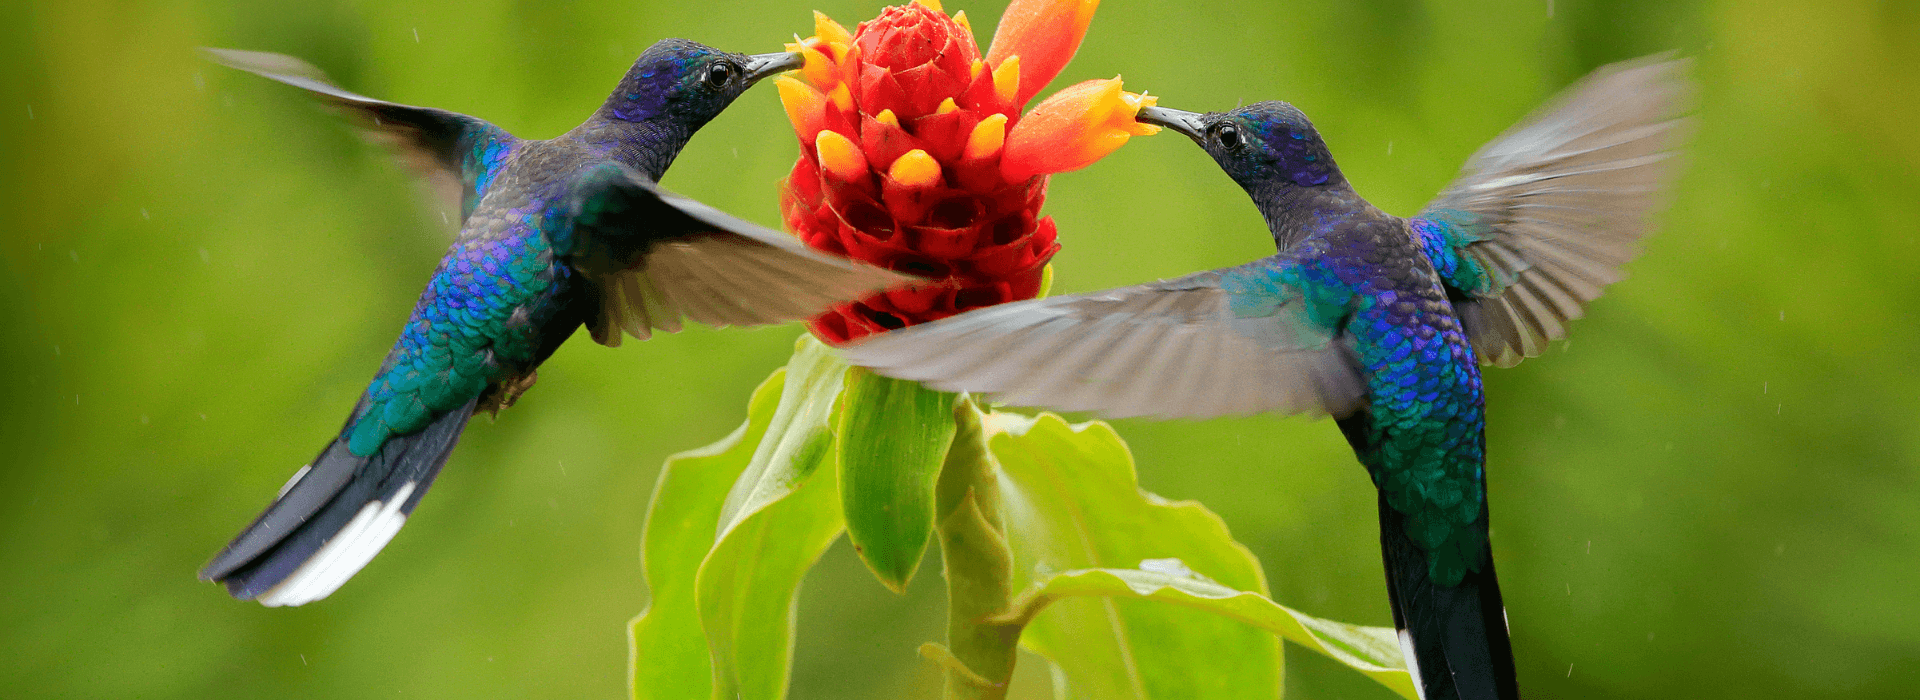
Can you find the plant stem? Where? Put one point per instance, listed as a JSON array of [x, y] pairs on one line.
[[979, 564]]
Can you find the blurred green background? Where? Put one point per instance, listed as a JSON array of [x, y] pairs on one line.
[[1713, 491]]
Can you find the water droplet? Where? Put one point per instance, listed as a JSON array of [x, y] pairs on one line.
[[204, 257], [1389, 148], [1763, 387], [56, 351], [1550, 16], [71, 253], [416, 35], [145, 216], [1589, 546], [199, 81], [143, 419]]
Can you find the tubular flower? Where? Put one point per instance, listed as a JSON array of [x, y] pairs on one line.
[[914, 154]]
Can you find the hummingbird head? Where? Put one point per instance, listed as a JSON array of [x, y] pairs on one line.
[[689, 83], [1259, 145]]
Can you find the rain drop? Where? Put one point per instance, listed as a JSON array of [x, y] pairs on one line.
[[204, 257], [143, 419], [416, 35], [1389, 148], [145, 216], [71, 253]]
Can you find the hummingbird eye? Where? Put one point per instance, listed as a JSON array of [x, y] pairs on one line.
[[1228, 135], [720, 73]]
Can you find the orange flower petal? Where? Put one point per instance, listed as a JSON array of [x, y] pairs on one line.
[[840, 157], [1072, 129], [1046, 33]]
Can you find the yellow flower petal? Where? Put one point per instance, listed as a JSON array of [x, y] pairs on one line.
[[1006, 79], [987, 138], [915, 169], [887, 117], [830, 31], [960, 18], [842, 97], [819, 69], [947, 106], [806, 107], [839, 156], [929, 4]]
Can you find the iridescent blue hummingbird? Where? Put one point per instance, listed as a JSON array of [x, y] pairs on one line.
[[554, 234], [1377, 320]]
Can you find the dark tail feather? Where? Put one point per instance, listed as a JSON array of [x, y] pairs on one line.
[[334, 515], [1456, 636]]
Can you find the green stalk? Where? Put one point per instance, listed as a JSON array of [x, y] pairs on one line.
[[979, 566]]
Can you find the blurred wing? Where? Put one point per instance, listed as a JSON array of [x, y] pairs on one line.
[[1203, 345], [656, 256], [453, 152], [1543, 217]]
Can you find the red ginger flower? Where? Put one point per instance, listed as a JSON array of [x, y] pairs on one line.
[[914, 155]]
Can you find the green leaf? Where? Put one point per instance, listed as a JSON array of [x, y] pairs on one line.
[[786, 515], [893, 437], [1374, 651], [668, 657], [757, 489], [1071, 501], [798, 440]]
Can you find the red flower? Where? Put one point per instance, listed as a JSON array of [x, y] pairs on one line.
[[914, 155]]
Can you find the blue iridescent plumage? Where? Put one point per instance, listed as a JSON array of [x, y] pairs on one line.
[[554, 235], [1379, 321]]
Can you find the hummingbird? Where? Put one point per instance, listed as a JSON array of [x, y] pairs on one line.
[[1379, 321], [554, 234]]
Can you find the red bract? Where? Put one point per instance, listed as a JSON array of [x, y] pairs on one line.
[[915, 157]]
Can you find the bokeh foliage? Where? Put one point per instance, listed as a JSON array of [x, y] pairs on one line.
[[1712, 492]]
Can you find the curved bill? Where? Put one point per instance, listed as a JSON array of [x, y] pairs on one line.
[[1189, 123], [771, 64]]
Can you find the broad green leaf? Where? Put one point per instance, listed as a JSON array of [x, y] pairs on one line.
[[1071, 501], [787, 513], [669, 658], [1374, 651], [798, 440], [893, 437]]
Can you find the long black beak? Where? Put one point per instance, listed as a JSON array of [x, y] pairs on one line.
[[1189, 123], [767, 65]]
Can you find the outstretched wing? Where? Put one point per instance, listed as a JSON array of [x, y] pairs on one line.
[[1221, 342], [455, 153], [1542, 218], [656, 256]]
